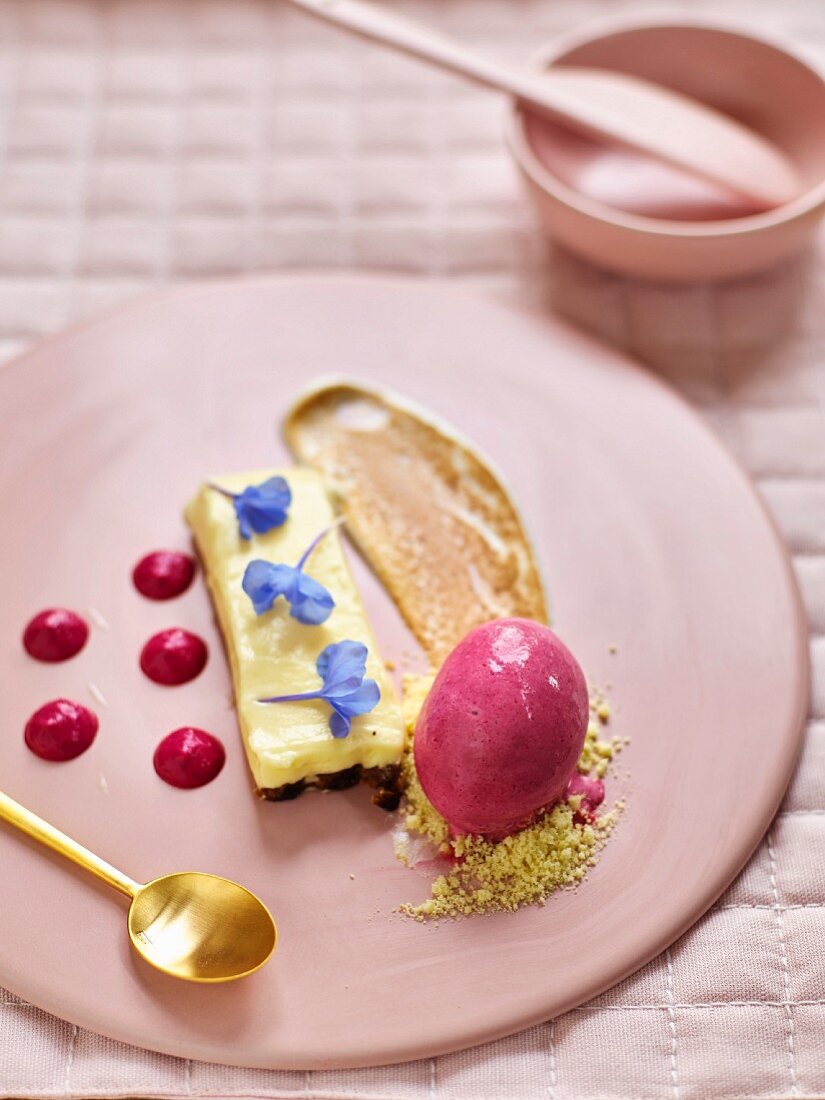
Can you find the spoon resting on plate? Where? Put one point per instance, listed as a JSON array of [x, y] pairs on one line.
[[608, 106], [198, 927]]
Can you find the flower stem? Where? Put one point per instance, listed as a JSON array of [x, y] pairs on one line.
[[219, 489], [299, 698], [305, 556]]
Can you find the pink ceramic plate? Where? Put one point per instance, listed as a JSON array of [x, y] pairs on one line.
[[651, 538]]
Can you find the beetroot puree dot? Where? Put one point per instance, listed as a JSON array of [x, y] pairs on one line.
[[173, 657], [60, 730], [163, 574], [189, 758], [55, 634]]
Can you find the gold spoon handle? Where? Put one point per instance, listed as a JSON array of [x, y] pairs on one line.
[[41, 830]]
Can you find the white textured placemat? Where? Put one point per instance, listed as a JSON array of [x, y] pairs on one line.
[[148, 141]]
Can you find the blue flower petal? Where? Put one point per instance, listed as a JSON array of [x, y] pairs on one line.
[[342, 667], [346, 707], [349, 678], [264, 582], [260, 508], [360, 701], [312, 604], [339, 724], [244, 529], [274, 492]]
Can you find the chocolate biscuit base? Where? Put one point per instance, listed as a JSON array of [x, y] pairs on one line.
[[385, 781]]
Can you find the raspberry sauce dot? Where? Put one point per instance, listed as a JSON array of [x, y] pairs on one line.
[[55, 634], [163, 574], [173, 657], [189, 758], [61, 730]]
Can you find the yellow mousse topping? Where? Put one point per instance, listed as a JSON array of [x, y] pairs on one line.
[[273, 654], [556, 851]]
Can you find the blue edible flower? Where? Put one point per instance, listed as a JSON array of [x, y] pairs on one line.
[[342, 666], [260, 508], [309, 602]]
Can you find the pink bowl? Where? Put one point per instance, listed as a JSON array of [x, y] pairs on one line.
[[751, 78]]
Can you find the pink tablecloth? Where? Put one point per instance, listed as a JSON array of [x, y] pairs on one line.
[[146, 141]]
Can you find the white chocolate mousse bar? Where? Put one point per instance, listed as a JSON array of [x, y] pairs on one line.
[[289, 744]]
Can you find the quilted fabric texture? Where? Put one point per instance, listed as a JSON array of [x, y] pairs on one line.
[[150, 141]]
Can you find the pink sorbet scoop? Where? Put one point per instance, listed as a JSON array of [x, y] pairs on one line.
[[502, 728]]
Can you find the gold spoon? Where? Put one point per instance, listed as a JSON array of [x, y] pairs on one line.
[[194, 926]]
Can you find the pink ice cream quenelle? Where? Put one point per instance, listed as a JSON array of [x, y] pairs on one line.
[[502, 728]]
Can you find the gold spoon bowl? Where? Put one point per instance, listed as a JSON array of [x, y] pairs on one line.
[[201, 927], [198, 927]]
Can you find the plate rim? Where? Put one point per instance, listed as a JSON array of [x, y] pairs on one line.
[[472, 1036]]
